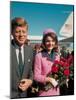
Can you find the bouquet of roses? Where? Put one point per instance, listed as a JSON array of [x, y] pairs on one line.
[[61, 71]]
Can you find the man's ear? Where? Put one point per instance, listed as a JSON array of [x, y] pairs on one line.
[[12, 36]]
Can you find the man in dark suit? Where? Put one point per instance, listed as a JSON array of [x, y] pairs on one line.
[[21, 60]]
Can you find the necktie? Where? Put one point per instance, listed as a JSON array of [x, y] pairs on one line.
[[21, 66]]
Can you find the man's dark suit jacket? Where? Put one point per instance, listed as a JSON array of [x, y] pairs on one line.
[[14, 72]]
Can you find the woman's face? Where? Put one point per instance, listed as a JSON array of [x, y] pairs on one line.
[[49, 43]]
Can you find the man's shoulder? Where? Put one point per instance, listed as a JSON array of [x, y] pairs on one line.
[[28, 48], [12, 44]]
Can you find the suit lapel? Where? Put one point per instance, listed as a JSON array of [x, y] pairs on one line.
[[26, 67]]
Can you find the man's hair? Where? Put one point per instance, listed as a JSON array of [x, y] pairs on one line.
[[18, 21]]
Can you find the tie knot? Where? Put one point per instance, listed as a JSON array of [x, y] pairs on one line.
[[19, 48]]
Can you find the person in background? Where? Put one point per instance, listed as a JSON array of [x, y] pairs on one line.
[[44, 61], [28, 42], [71, 58], [68, 54], [63, 52], [37, 48], [21, 59]]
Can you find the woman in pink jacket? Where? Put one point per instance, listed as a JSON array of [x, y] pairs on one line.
[[43, 64]]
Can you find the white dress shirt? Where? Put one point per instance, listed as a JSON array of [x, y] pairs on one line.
[[22, 52]]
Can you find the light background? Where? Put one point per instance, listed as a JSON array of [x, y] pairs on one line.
[[5, 48], [41, 16]]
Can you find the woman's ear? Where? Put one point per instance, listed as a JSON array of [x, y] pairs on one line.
[[56, 45], [56, 48]]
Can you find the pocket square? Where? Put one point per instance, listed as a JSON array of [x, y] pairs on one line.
[[29, 60]]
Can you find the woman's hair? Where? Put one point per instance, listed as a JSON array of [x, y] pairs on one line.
[[53, 36], [18, 21]]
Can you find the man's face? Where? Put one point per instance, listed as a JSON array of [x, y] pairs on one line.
[[20, 34]]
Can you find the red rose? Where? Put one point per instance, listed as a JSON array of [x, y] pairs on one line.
[[66, 64], [55, 69], [56, 62], [61, 63], [66, 72], [62, 59]]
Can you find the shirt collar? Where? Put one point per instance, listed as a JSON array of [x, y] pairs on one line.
[[16, 46]]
